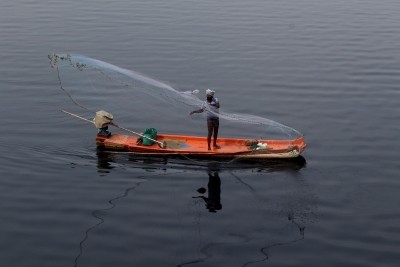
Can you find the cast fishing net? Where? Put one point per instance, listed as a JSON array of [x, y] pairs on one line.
[[138, 101]]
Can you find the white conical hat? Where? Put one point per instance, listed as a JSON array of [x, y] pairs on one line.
[[210, 92]]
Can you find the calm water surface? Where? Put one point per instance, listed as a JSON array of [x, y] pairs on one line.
[[330, 69]]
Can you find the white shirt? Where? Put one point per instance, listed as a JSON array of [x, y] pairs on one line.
[[211, 108]]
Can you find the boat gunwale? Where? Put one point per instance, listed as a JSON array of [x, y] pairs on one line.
[[294, 149]]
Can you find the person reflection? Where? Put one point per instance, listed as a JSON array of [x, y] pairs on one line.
[[104, 161], [213, 199]]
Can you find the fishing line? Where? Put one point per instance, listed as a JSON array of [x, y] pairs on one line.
[[264, 250], [291, 218], [101, 220], [68, 94], [112, 201]]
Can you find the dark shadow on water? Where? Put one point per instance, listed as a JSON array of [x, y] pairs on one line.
[[213, 199], [104, 162]]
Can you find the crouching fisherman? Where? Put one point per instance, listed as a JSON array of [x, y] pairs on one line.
[[101, 121]]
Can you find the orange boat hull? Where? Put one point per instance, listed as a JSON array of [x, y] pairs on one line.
[[197, 146]]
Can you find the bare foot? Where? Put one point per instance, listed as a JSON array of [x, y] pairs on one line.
[[217, 146], [209, 148]]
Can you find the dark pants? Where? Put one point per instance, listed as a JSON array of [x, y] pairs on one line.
[[212, 125], [104, 131]]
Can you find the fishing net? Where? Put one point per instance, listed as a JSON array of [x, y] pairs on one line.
[[138, 101]]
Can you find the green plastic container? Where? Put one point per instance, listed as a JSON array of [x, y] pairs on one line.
[[150, 133]]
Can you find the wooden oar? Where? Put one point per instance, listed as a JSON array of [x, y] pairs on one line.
[[77, 116], [162, 145]]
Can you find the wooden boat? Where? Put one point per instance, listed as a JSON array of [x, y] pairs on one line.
[[169, 145], [197, 146]]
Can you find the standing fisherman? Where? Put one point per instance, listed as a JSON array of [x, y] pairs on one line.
[[211, 105]]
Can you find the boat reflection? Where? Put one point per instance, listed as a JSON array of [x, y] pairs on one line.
[[104, 162], [209, 195], [108, 160]]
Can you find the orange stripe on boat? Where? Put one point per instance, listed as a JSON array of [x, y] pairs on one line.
[[197, 146]]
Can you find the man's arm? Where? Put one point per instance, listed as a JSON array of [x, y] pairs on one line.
[[217, 103], [197, 111]]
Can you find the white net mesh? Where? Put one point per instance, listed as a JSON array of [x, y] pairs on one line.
[[136, 99]]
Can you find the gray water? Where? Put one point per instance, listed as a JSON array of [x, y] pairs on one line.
[[330, 69]]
